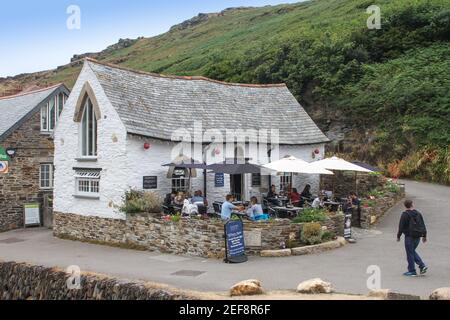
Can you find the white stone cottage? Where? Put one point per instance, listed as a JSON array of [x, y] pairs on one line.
[[119, 127]]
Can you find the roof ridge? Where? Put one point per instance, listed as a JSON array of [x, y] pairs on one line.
[[114, 66], [30, 92]]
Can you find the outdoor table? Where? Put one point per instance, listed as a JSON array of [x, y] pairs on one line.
[[290, 211], [334, 205]]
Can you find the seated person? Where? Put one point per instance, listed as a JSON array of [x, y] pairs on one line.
[[318, 203], [200, 201], [179, 199], [306, 194], [169, 202], [272, 196], [228, 207], [272, 193], [189, 209], [295, 198], [255, 210]]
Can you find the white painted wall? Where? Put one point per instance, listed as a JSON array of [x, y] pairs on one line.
[[111, 156]]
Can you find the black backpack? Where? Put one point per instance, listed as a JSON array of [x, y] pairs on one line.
[[417, 228]]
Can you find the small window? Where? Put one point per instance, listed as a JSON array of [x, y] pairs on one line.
[[51, 111], [46, 176], [87, 183], [88, 131]]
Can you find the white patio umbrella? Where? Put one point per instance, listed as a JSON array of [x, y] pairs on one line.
[[338, 164], [294, 165]]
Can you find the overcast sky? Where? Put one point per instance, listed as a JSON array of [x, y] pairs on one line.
[[34, 34]]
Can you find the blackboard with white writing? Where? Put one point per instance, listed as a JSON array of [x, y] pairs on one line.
[[150, 182]]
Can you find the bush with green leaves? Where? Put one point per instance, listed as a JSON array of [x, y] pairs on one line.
[[311, 215], [136, 201], [328, 236], [312, 233]]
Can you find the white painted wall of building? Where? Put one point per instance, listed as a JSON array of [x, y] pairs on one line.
[[112, 157]]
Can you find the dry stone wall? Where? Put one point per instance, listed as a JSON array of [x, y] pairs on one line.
[[204, 238], [27, 282]]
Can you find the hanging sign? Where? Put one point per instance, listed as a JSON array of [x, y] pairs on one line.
[[219, 180], [4, 167], [234, 242], [32, 215]]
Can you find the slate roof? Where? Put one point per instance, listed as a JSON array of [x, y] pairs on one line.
[[154, 105], [14, 110]]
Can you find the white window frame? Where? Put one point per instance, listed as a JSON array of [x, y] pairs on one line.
[[56, 113], [50, 169], [87, 183], [178, 182], [84, 134]]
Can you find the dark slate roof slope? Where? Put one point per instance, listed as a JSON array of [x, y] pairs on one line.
[[154, 105], [14, 110]]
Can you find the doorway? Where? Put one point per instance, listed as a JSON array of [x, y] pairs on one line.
[[236, 186]]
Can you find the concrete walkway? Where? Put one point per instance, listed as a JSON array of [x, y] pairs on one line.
[[345, 268]]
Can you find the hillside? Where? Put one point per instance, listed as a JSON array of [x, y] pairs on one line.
[[381, 95]]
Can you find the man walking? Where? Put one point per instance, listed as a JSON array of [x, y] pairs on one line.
[[412, 225]]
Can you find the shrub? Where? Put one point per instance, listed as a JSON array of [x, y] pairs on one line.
[[311, 215], [141, 202], [176, 218], [290, 244], [328, 236], [312, 233]]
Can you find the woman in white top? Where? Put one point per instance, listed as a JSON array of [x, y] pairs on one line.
[[255, 209]]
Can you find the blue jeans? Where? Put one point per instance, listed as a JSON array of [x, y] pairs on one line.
[[411, 245]]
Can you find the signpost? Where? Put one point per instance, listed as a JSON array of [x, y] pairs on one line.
[[32, 215], [234, 242]]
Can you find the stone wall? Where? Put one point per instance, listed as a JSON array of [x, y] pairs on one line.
[[371, 214], [26, 282], [21, 184], [344, 183], [195, 237]]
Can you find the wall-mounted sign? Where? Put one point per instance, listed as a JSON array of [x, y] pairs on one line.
[[150, 182], [256, 180], [3, 155], [219, 180], [235, 242], [4, 167], [32, 215]]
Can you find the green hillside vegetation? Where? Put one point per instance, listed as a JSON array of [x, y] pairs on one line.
[[391, 87]]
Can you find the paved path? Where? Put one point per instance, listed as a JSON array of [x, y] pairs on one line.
[[345, 268]]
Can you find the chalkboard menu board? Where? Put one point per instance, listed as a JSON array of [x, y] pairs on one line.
[[256, 180], [220, 180], [234, 242], [150, 182]]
